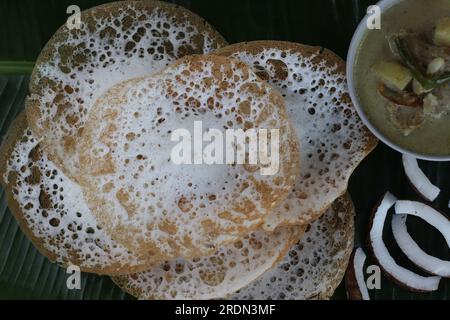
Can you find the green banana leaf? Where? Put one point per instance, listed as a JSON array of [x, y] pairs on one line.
[[26, 25]]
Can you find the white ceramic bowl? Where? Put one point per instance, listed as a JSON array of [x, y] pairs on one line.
[[351, 58]]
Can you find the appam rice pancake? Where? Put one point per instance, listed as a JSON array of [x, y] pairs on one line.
[[314, 267], [115, 42], [332, 137], [214, 276], [51, 210], [154, 206]]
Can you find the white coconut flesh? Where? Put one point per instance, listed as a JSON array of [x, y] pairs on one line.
[[427, 213], [402, 275], [418, 178], [358, 265], [414, 253]]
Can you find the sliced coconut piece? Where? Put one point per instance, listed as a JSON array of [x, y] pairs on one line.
[[403, 277], [418, 179], [427, 213], [354, 279], [414, 253]]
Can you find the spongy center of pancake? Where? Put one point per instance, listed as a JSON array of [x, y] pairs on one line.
[[153, 204], [52, 209], [115, 42]]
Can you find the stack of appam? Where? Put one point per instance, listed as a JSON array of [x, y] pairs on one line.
[[89, 173]]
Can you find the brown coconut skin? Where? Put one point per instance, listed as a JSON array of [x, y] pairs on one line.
[[389, 276], [351, 285]]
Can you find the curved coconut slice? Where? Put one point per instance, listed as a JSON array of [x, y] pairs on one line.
[[214, 276], [332, 137], [51, 210], [354, 278], [403, 277], [175, 209], [414, 253], [427, 213], [115, 42], [315, 266], [418, 179]]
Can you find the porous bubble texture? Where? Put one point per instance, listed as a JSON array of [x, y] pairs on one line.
[[333, 139], [314, 267], [214, 276], [51, 210], [155, 206], [115, 42]]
